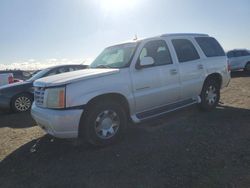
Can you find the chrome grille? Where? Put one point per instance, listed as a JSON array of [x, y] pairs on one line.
[[39, 96]]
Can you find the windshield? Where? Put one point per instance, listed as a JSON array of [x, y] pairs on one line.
[[115, 56], [38, 75]]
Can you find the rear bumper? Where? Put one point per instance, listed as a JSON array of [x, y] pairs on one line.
[[58, 123]]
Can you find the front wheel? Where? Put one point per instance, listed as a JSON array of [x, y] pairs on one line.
[[21, 103], [104, 123], [210, 95]]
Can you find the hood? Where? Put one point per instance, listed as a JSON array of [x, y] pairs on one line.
[[74, 76]]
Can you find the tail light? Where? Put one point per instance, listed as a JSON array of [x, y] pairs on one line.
[[11, 79]]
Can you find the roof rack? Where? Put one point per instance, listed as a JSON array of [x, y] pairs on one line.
[[184, 34]]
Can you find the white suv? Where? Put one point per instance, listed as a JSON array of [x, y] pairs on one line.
[[134, 81], [239, 59]]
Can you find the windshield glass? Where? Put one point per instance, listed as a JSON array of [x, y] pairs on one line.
[[38, 75], [115, 57]]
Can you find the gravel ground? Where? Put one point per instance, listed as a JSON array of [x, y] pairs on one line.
[[187, 148]]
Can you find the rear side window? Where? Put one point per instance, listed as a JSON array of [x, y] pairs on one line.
[[238, 53], [245, 53], [230, 54], [210, 46], [185, 50]]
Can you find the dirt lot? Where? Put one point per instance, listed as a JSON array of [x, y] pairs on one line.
[[188, 148]]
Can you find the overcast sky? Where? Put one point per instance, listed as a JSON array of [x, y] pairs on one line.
[[73, 30]]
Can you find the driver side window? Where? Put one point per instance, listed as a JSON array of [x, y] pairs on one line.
[[158, 50]]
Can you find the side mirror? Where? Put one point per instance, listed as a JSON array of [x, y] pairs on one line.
[[146, 61]]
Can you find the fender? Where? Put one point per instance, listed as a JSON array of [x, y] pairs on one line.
[[80, 93]]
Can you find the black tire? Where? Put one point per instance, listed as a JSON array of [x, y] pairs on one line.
[[94, 119], [247, 68], [21, 102], [208, 100]]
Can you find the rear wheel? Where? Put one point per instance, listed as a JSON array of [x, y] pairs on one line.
[[210, 95], [104, 123], [21, 103], [247, 68]]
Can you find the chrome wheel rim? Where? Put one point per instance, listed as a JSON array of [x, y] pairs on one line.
[[107, 124], [211, 95], [22, 104]]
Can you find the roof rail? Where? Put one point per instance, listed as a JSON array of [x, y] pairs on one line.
[[184, 34]]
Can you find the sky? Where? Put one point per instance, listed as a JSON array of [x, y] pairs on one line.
[[41, 33]]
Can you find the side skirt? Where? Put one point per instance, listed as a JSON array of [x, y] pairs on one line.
[[165, 109]]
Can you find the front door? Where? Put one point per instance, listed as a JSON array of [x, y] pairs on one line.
[[156, 85]]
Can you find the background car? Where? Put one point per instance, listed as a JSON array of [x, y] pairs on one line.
[[18, 74], [19, 96], [239, 59]]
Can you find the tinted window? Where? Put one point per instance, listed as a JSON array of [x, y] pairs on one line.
[[62, 70], [185, 50], [237, 53], [210, 46], [245, 53], [52, 72], [230, 54], [158, 50]]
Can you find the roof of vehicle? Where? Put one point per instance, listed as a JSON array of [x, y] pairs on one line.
[[184, 34], [243, 49], [163, 35]]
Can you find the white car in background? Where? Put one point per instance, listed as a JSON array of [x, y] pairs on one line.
[[239, 59], [6, 78]]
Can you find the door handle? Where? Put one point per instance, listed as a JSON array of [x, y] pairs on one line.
[[200, 66], [173, 71]]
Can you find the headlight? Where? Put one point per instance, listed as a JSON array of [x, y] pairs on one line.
[[55, 97]]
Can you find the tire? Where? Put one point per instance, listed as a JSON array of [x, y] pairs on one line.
[[104, 123], [21, 102], [210, 95], [247, 68]]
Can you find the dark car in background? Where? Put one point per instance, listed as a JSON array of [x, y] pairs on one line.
[[19, 96], [18, 74]]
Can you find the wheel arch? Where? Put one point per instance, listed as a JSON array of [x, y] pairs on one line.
[[110, 96], [107, 96], [214, 76]]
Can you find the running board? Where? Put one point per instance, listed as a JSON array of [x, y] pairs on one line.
[[165, 109]]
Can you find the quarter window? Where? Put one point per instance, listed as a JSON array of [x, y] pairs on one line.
[[238, 53], [185, 50], [210, 46], [245, 53], [158, 50], [230, 54]]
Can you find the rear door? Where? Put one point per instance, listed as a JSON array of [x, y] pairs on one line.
[[191, 67], [156, 85], [236, 60]]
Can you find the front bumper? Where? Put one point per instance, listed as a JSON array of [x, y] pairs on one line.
[[58, 123]]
